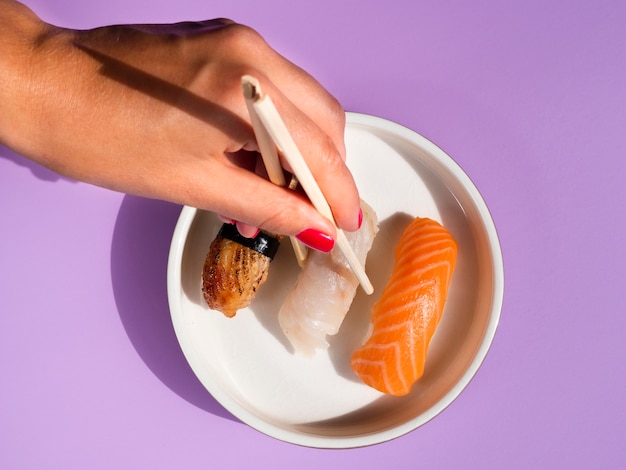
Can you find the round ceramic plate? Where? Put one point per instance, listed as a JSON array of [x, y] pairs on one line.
[[247, 363]]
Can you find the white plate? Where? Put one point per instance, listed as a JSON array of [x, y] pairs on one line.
[[246, 362]]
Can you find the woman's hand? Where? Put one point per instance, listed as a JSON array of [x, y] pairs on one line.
[[158, 111]]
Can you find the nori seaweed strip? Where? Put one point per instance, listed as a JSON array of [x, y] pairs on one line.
[[263, 243]]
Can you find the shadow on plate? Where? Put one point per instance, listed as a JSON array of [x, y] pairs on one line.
[[379, 264], [139, 254]]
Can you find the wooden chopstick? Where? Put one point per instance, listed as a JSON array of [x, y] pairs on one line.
[[266, 112], [251, 90]]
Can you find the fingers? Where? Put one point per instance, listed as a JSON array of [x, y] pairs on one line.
[[306, 94], [303, 90], [323, 158], [313, 116], [245, 230], [222, 180], [245, 198]]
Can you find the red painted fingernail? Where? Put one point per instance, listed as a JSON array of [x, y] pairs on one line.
[[316, 240], [360, 217]]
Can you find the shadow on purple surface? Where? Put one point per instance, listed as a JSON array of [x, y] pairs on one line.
[[139, 253], [39, 171]]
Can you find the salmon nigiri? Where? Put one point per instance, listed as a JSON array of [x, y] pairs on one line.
[[404, 318]]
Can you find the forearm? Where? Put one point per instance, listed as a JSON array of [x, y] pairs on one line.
[[40, 79], [55, 108], [80, 103]]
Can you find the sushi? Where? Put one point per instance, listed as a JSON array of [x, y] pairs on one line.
[[235, 268], [324, 291], [405, 317]]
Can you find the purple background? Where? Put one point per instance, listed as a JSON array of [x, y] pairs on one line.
[[528, 97]]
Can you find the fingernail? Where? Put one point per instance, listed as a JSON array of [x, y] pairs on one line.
[[316, 240], [360, 217]]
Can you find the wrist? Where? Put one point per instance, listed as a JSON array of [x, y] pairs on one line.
[[23, 40]]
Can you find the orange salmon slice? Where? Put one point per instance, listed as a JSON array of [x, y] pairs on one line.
[[406, 315]]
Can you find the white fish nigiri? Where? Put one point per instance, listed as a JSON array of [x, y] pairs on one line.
[[324, 291]]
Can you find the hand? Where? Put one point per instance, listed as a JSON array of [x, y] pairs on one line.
[[158, 111]]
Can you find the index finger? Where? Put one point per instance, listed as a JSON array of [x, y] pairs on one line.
[[322, 155], [310, 97]]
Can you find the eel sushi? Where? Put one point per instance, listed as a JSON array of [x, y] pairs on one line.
[[235, 267]]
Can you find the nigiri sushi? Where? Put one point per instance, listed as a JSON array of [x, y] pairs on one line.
[[324, 291], [235, 267], [404, 318]]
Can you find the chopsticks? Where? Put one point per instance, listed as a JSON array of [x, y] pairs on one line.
[[268, 126], [251, 92]]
